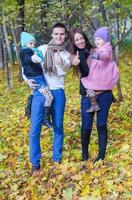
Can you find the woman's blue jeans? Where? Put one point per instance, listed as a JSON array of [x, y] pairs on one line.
[[104, 101], [37, 111]]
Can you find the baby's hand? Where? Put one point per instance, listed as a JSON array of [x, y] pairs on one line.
[[94, 56], [36, 59]]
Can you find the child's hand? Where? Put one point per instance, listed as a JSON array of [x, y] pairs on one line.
[[36, 59], [76, 60], [59, 60], [94, 56]]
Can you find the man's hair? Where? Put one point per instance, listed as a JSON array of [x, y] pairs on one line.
[[59, 25]]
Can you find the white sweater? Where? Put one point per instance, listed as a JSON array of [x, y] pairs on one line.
[[56, 81]]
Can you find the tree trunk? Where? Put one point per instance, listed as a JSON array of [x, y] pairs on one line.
[[20, 19], [4, 30], [6, 61], [94, 18], [9, 52], [116, 33], [45, 34], [20, 27], [17, 52], [95, 11], [103, 11], [1, 50]]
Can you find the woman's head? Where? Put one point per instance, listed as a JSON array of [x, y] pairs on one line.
[[78, 40], [101, 36]]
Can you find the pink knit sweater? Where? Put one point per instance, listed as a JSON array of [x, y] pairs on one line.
[[103, 74]]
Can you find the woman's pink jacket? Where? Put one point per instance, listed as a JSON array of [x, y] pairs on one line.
[[103, 73]]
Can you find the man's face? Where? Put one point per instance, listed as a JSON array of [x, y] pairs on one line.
[[59, 35]]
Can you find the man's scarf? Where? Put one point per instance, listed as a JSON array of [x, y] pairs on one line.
[[49, 56]]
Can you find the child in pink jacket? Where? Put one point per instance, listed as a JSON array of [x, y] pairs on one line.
[[103, 71]]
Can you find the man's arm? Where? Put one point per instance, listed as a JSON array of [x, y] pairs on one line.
[[30, 82]]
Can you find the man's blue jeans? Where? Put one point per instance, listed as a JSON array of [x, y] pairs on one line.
[[37, 111], [58, 108]]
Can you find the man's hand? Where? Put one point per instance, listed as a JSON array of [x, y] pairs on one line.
[[76, 60], [59, 60], [32, 83]]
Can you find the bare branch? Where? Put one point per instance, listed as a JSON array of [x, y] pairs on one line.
[[123, 37]]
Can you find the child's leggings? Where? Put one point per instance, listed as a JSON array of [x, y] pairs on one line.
[[47, 94]]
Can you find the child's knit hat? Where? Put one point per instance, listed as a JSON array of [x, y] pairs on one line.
[[25, 38], [103, 33]]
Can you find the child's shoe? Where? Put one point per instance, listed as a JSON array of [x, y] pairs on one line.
[[46, 119], [94, 105], [28, 107], [93, 108]]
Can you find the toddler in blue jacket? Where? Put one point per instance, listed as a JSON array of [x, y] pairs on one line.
[[32, 65]]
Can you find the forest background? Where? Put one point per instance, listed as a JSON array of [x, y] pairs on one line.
[[72, 179]]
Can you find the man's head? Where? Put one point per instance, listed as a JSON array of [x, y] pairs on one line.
[[59, 33]]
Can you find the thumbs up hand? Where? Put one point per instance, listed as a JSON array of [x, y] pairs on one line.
[[76, 59], [77, 55], [59, 60]]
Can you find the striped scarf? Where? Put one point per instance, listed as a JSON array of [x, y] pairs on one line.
[[49, 64]]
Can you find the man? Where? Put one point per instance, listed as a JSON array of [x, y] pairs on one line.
[[57, 63]]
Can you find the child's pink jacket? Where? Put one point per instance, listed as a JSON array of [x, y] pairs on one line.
[[103, 73]]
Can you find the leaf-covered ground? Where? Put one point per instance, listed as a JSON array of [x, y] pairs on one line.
[[71, 180]]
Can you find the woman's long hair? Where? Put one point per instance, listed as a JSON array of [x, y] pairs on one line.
[[72, 48]]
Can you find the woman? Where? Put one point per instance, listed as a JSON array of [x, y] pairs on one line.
[[80, 46]]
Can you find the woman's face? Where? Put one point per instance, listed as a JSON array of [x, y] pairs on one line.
[[79, 41]]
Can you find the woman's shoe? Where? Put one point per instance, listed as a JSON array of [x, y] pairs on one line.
[[98, 159]]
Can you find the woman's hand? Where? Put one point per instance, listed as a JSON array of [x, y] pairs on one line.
[[76, 60], [32, 83]]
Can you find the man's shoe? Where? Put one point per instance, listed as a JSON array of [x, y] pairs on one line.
[[36, 172], [57, 162]]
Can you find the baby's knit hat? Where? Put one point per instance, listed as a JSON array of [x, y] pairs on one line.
[[103, 33], [25, 38]]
